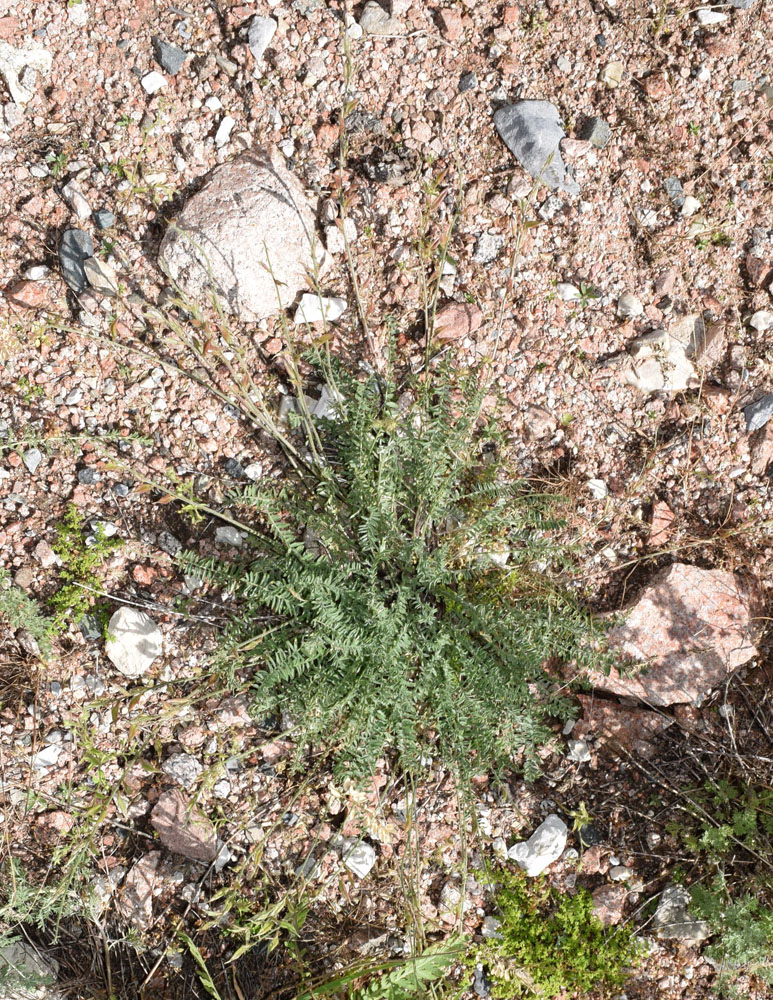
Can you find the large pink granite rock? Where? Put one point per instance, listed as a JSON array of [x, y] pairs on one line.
[[248, 236], [183, 828], [691, 628]]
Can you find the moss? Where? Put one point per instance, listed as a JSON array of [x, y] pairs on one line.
[[552, 942]]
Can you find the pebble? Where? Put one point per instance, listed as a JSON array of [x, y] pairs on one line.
[[619, 873], [629, 306], [708, 17], [47, 757], [359, 858], [673, 921], [567, 292], [19, 69], [759, 413], [224, 130], [596, 132], [612, 74], [74, 247], [480, 983], [579, 751], [467, 81], [182, 768], [761, 320], [226, 534], [690, 206], [316, 308], [87, 476], [134, 641], [490, 928], [104, 219], [545, 846], [674, 190], [659, 362], [374, 20], [169, 57], [76, 201], [487, 248], [259, 35], [32, 459], [335, 239], [153, 82], [101, 276], [90, 628], [597, 488], [37, 272]]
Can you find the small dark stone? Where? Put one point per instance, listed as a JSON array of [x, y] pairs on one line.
[[480, 983], [674, 190], [234, 468], [588, 835], [596, 132], [104, 218], [87, 476], [91, 630], [75, 246], [169, 57], [468, 81], [121, 490], [601, 41]]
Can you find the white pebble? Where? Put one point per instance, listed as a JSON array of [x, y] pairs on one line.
[[153, 82]]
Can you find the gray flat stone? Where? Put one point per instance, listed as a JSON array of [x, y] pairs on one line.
[[532, 131], [169, 57], [759, 413], [75, 246], [596, 132], [674, 190]]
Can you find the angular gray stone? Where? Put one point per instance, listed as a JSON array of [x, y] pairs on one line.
[[169, 57], [259, 35], [487, 248], [545, 846], [532, 131], [467, 81], [673, 921], [182, 768], [596, 132], [250, 219], [674, 190], [104, 218], [758, 413], [374, 20], [742, 4], [134, 641], [26, 973], [75, 246], [183, 828]]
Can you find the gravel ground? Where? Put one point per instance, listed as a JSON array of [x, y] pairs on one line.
[[674, 471]]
